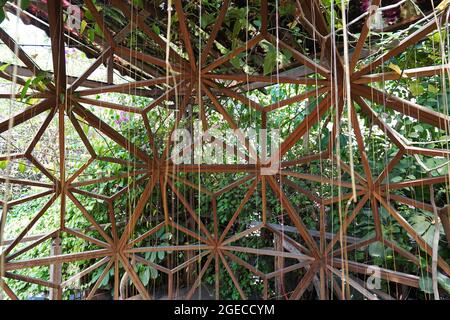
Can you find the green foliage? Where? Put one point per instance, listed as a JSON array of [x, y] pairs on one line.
[[23, 4], [425, 91], [426, 284], [38, 82]]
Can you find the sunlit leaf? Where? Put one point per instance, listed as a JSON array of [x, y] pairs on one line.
[[426, 284], [22, 167]]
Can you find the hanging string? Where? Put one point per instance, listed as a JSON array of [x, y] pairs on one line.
[[347, 96], [8, 187], [337, 141], [437, 220]]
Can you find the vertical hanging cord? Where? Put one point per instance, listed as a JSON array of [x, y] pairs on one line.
[[386, 160], [346, 100], [4, 212], [437, 220], [338, 149], [170, 72], [347, 96], [277, 49], [130, 199], [319, 141], [199, 68]]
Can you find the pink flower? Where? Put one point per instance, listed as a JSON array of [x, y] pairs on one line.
[[123, 117]]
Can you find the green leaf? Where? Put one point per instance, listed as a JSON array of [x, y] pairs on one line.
[[161, 255], [105, 280], [83, 26], [88, 15], [236, 62], [25, 88], [138, 3], [153, 273], [2, 15], [91, 35], [428, 236], [22, 167], [153, 256], [444, 170], [237, 27], [420, 223], [145, 276], [395, 68], [414, 135], [206, 20], [156, 29], [270, 61], [3, 164], [98, 30], [287, 55], [3, 67], [85, 128], [426, 284], [24, 4], [376, 250], [433, 89], [221, 48], [396, 179], [166, 236], [416, 89], [96, 275], [444, 282]]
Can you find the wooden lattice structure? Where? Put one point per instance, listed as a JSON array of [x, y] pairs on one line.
[[202, 78]]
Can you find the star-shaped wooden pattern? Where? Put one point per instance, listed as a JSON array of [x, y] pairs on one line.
[[201, 78]]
